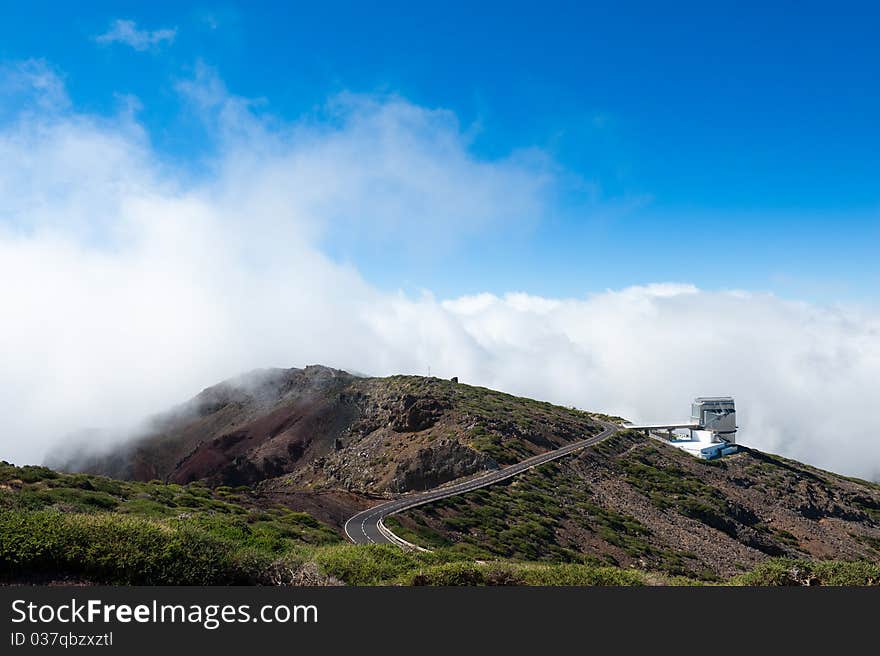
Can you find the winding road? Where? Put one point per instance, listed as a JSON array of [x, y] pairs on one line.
[[367, 526]]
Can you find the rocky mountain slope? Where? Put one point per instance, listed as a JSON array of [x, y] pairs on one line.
[[325, 442], [635, 501], [322, 428]]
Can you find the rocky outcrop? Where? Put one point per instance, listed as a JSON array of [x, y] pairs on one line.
[[322, 428], [437, 464], [413, 414]]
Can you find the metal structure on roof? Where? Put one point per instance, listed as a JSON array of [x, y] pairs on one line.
[[711, 428]]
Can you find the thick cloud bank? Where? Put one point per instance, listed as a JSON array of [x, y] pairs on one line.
[[127, 285]]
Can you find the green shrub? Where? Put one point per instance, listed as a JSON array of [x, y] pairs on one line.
[[147, 508], [468, 573], [78, 499], [461, 573], [31, 473], [119, 549], [574, 574], [365, 564], [420, 535], [500, 573], [789, 571]]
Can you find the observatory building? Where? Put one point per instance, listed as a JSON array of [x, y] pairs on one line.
[[716, 414], [711, 429]]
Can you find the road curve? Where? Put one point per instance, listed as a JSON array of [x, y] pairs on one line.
[[367, 528]]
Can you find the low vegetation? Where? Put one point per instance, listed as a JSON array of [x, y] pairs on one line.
[[505, 427], [76, 526], [389, 565], [785, 571], [58, 527], [519, 520], [633, 503]]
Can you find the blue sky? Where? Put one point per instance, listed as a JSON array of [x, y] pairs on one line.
[[687, 195], [729, 145]]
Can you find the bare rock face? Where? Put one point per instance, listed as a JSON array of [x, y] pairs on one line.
[[414, 414], [438, 464], [324, 429]]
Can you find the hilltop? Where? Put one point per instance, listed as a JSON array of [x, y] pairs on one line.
[[323, 428], [327, 443]]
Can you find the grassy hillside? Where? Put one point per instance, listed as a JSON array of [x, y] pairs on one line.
[[78, 527], [260, 473], [632, 501], [60, 528]]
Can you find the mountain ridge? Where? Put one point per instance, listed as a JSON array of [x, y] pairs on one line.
[[327, 428], [326, 442]]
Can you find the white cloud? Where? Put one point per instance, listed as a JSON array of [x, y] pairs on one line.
[[126, 32], [126, 287], [803, 376], [31, 84]]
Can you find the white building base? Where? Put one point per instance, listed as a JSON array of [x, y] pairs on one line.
[[702, 446]]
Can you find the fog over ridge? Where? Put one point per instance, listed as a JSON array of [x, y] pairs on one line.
[[127, 286]]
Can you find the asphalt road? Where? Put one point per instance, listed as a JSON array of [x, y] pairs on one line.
[[366, 527]]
